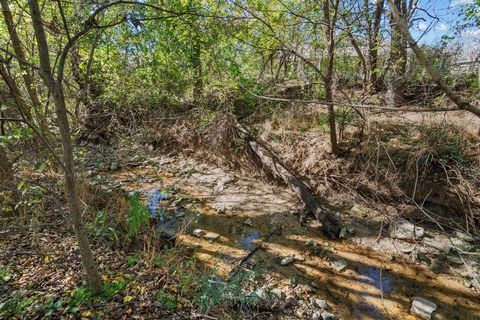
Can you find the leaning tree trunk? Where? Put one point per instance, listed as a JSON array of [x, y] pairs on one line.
[[69, 166], [422, 59], [279, 171], [398, 60]]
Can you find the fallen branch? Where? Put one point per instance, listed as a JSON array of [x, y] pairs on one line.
[[278, 170], [352, 105]]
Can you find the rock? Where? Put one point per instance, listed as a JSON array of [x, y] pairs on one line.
[[317, 315], [310, 243], [248, 222], [464, 236], [346, 231], [219, 207], [455, 260], [205, 234], [340, 265], [287, 260], [211, 236], [423, 308], [402, 229], [290, 300], [198, 233], [328, 316], [359, 210], [320, 303], [304, 288], [222, 182], [423, 258], [443, 247], [301, 313], [300, 258], [276, 293], [449, 245], [114, 166]]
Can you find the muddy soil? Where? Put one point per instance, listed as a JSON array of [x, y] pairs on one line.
[[368, 276]]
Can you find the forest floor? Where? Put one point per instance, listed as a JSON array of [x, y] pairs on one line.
[[242, 237]]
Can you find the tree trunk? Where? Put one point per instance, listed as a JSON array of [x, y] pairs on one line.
[[62, 121], [26, 73], [278, 170], [398, 60], [197, 65], [328, 76], [373, 44], [422, 59], [361, 59]]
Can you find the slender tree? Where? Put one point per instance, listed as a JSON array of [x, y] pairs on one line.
[[330, 19], [26, 71], [55, 87]]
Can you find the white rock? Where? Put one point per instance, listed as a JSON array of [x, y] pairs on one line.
[[287, 260], [340, 265], [211, 236], [198, 233], [402, 229], [248, 222], [327, 316], [219, 207], [423, 308], [322, 304], [206, 235]]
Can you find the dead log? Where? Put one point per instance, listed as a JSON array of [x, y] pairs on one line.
[[278, 170]]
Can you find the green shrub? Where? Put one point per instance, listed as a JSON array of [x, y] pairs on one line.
[[138, 216], [15, 305]]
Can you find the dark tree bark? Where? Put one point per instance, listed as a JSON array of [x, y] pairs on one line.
[[373, 45], [279, 171], [26, 72], [55, 86], [330, 21], [398, 59], [361, 59], [198, 74]]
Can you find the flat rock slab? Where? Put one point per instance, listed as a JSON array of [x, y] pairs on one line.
[[402, 229], [423, 308], [207, 235]]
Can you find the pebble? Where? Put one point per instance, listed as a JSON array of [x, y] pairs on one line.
[[317, 315], [206, 235], [248, 222], [328, 316], [423, 308], [322, 304], [340, 265], [219, 207], [287, 260]]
